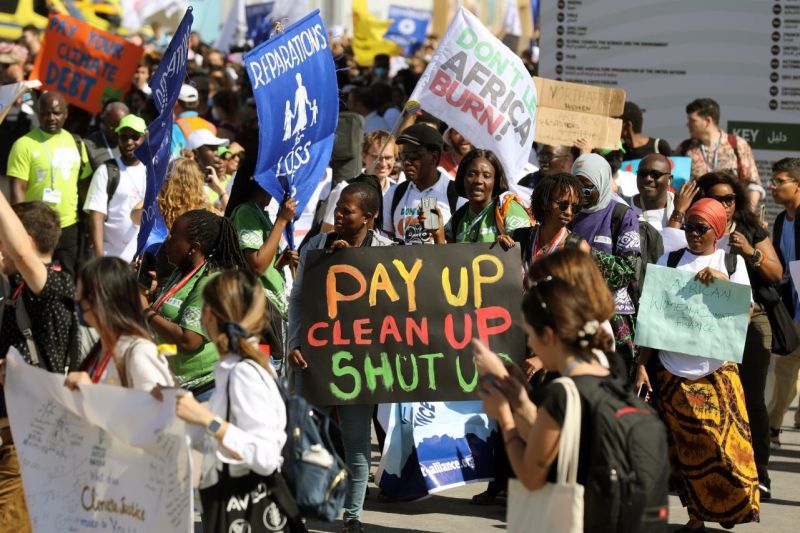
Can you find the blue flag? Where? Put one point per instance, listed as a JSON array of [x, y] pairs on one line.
[[409, 27], [294, 85], [154, 152], [259, 21]]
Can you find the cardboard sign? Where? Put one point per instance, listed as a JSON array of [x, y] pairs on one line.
[[570, 111], [680, 314], [87, 65], [390, 324], [104, 458]]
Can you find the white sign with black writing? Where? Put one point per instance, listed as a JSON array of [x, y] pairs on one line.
[[104, 458]]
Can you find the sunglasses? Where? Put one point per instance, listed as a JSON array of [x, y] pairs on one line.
[[643, 173], [411, 156], [130, 136], [700, 230], [728, 199], [587, 191], [564, 204]]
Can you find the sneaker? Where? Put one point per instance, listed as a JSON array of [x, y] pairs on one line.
[[353, 526], [775, 439]]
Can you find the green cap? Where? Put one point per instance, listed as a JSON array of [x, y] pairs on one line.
[[133, 122], [222, 150]]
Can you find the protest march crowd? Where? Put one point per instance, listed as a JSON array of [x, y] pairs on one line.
[[232, 306]]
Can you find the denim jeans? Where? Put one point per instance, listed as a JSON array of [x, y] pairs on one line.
[[356, 422]]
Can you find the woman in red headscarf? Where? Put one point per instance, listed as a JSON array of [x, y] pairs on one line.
[[701, 399]]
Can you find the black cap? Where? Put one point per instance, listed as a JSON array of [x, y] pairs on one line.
[[421, 135]]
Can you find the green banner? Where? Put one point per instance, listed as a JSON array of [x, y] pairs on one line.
[[767, 135]]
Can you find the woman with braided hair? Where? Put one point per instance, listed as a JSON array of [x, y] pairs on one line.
[[199, 245]]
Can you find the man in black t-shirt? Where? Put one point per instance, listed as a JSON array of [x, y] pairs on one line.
[[634, 142], [29, 233]]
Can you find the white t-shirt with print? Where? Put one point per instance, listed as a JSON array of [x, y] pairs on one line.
[[692, 366], [407, 209], [119, 230]]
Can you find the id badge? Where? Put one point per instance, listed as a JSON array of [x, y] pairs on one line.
[[51, 196]]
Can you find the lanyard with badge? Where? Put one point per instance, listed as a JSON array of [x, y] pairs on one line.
[[52, 195], [710, 168]]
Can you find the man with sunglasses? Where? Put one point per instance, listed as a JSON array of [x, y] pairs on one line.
[[116, 194], [654, 203]]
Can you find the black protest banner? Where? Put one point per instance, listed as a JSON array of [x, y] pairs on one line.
[[394, 324]]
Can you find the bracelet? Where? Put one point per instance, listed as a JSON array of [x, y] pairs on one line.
[[757, 258], [513, 438], [677, 216]]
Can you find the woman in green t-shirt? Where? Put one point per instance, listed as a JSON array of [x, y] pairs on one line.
[[199, 245], [491, 211]]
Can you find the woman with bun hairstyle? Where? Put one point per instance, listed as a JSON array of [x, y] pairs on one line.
[[701, 398]]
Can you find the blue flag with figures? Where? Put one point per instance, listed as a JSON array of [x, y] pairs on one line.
[[409, 27], [154, 152], [294, 86]]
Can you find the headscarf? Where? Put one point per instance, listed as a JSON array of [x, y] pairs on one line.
[[596, 169], [712, 212]]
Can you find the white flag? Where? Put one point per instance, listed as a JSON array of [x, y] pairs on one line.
[[482, 89]]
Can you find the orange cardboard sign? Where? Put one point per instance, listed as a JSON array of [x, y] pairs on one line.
[[87, 65]]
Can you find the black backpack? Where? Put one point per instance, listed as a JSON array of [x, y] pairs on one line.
[[627, 485], [650, 242], [675, 257]]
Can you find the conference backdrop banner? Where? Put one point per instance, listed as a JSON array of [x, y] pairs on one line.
[[745, 55]]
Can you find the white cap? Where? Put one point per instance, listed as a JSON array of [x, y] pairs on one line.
[[188, 94], [204, 137]]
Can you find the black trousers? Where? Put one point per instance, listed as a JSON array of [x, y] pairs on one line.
[[753, 372], [66, 252]]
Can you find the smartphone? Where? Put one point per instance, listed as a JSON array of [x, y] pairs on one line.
[[643, 392], [431, 221], [146, 264]]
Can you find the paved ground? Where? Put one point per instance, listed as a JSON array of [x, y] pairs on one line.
[[451, 511]]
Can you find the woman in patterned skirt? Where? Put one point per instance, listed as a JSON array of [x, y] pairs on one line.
[[701, 398]]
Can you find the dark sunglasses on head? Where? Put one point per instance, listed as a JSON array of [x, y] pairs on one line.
[[656, 174], [564, 204], [728, 199], [700, 230]]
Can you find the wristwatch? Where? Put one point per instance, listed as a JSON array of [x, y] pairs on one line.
[[214, 426]]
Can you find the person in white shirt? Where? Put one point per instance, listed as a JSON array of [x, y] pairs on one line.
[[655, 202], [245, 418], [701, 399], [116, 195], [420, 151], [108, 300], [379, 153]]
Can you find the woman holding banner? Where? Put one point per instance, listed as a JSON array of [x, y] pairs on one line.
[[612, 230], [199, 245], [701, 399], [356, 209], [491, 212]]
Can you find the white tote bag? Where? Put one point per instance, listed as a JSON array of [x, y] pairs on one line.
[[556, 507]]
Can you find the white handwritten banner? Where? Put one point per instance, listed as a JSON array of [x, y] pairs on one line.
[[482, 89], [680, 314], [102, 459]]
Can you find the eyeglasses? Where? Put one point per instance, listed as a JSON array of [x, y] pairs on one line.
[[563, 205], [385, 157], [643, 173], [777, 183], [587, 191], [700, 230], [412, 156], [130, 136], [728, 199]]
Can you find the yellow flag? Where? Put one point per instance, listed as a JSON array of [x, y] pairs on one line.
[[368, 32]]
